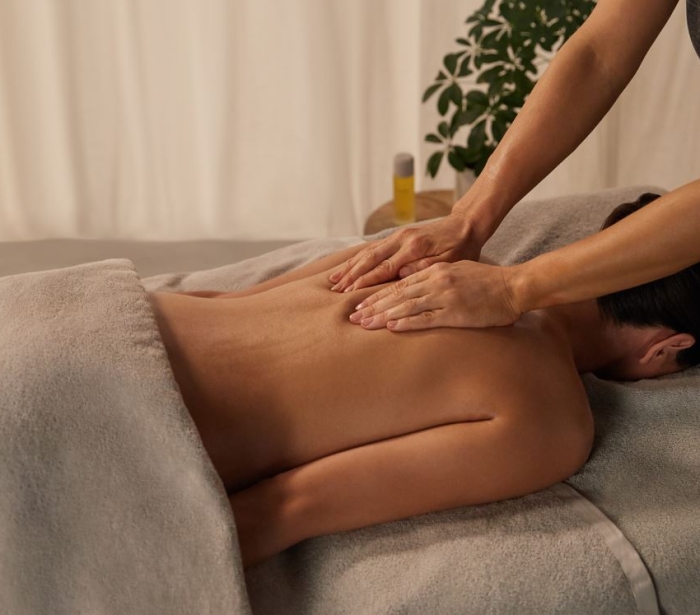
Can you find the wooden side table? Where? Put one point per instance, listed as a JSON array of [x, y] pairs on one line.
[[429, 204]]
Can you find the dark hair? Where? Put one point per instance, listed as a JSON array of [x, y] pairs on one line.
[[673, 301]]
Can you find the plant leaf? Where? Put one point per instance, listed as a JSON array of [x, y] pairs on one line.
[[496, 87], [488, 7], [431, 90], [523, 82], [444, 129], [464, 69], [457, 122], [444, 101], [455, 160], [451, 60], [491, 74], [478, 98], [498, 129], [477, 137], [433, 138], [489, 41], [456, 95], [489, 57], [507, 116], [434, 163], [514, 100], [466, 155], [473, 113]]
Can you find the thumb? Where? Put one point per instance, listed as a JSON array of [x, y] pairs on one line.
[[418, 265]]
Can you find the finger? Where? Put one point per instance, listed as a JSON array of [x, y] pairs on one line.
[[411, 307], [386, 270], [337, 275], [363, 261], [425, 320], [400, 294], [417, 266], [343, 269], [385, 292]]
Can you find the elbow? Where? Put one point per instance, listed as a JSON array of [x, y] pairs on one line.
[[615, 65], [576, 446]]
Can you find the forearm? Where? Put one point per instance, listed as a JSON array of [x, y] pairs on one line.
[[567, 103], [575, 92], [656, 241], [320, 265]]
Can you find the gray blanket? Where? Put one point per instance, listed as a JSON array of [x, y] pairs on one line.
[[108, 501], [110, 505]]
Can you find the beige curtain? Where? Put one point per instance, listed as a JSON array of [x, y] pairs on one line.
[[262, 119]]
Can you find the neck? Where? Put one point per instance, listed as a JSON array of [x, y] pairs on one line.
[[593, 342]]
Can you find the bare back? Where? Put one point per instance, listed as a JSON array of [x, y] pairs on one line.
[[281, 378]]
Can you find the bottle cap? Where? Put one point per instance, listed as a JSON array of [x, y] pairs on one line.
[[403, 165]]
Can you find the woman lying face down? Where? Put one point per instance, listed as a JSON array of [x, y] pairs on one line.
[[316, 425]]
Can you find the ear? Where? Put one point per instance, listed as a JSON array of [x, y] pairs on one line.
[[667, 348]]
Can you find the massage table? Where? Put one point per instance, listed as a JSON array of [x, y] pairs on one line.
[[109, 503]]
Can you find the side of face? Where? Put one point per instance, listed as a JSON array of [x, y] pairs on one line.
[[648, 352]]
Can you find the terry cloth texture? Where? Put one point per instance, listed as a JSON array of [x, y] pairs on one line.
[[109, 503]]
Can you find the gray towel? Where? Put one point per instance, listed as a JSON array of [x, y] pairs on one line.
[[108, 501]]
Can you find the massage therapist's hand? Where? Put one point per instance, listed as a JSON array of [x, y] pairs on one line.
[[463, 294], [407, 251]]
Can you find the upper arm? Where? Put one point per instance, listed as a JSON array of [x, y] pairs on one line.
[[318, 266], [315, 267], [321, 265], [448, 466]]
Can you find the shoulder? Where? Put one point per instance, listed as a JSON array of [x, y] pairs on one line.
[[544, 403], [544, 383]]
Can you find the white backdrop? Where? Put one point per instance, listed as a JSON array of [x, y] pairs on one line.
[[266, 119]]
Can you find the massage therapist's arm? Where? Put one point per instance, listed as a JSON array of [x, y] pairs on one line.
[[656, 241], [573, 95], [575, 92], [659, 240]]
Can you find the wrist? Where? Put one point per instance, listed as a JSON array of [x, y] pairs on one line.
[[479, 213], [524, 291]]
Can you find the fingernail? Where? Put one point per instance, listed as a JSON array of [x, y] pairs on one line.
[[355, 317], [349, 288], [359, 306], [367, 321], [391, 324], [335, 287], [335, 277]]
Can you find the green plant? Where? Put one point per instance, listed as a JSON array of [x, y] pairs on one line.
[[507, 45]]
